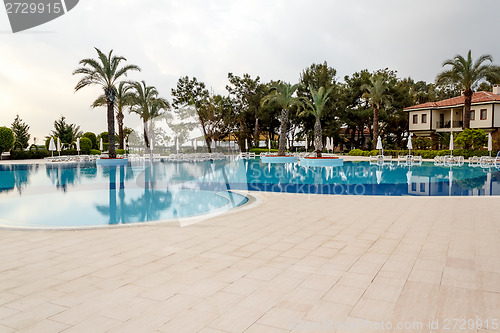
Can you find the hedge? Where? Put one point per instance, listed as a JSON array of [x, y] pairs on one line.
[[428, 154], [262, 150], [29, 154]]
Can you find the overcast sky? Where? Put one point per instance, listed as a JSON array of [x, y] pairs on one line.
[[274, 39]]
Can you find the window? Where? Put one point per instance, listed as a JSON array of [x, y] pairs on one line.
[[472, 115], [424, 119], [484, 114], [415, 118], [422, 187]]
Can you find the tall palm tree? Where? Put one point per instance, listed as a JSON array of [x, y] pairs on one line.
[[319, 99], [467, 73], [122, 100], [282, 94], [105, 72], [377, 94], [146, 103]]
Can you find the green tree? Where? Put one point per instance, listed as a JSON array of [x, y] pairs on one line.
[[246, 94], [6, 139], [320, 98], [467, 74], [316, 76], [21, 132], [146, 102], [67, 133], [122, 100], [92, 137], [190, 98], [470, 138], [85, 145], [105, 72], [283, 94], [376, 94]]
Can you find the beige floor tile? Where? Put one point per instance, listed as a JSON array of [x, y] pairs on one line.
[[280, 318], [259, 328], [32, 316], [320, 281], [238, 319], [344, 295], [373, 310]]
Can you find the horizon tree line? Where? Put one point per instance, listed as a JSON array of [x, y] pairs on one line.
[[316, 107]]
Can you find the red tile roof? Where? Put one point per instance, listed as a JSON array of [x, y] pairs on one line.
[[477, 97]]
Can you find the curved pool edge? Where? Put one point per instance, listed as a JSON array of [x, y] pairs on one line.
[[182, 221]]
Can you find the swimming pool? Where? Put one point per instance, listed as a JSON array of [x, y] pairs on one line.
[[86, 195]]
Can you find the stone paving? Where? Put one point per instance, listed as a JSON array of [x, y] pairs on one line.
[[291, 263]]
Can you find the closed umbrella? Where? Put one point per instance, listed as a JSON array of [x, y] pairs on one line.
[[269, 144], [451, 143], [78, 145], [287, 145], [409, 145], [327, 146], [246, 144], [52, 145], [332, 146], [177, 145], [101, 145], [59, 146], [213, 144], [379, 144], [490, 143], [306, 143]]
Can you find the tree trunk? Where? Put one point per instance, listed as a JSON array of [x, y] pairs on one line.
[[119, 120], [318, 145], [375, 125], [146, 137], [111, 129], [467, 104], [256, 132], [283, 131]]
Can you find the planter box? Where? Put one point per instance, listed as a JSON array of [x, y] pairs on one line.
[[321, 161], [279, 159]]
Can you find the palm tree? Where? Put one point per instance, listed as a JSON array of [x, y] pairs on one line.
[[376, 93], [319, 99], [105, 72], [282, 94], [146, 103], [122, 100], [467, 74]]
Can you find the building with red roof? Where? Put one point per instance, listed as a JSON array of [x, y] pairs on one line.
[[447, 115]]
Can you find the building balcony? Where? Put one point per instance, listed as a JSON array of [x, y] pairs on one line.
[[448, 124]]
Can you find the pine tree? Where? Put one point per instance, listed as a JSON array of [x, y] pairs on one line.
[[20, 130]]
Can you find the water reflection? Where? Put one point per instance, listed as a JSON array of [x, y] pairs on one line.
[[16, 176]]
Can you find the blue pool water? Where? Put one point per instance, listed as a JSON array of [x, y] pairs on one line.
[[83, 194]]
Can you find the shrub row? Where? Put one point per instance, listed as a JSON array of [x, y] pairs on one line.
[[430, 154], [262, 150]]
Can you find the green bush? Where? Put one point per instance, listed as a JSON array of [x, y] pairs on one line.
[[92, 137], [427, 154], [29, 154], [6, 139], [95, 152], [471, 138], [86, 145], [121, 151], [262, 150]]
